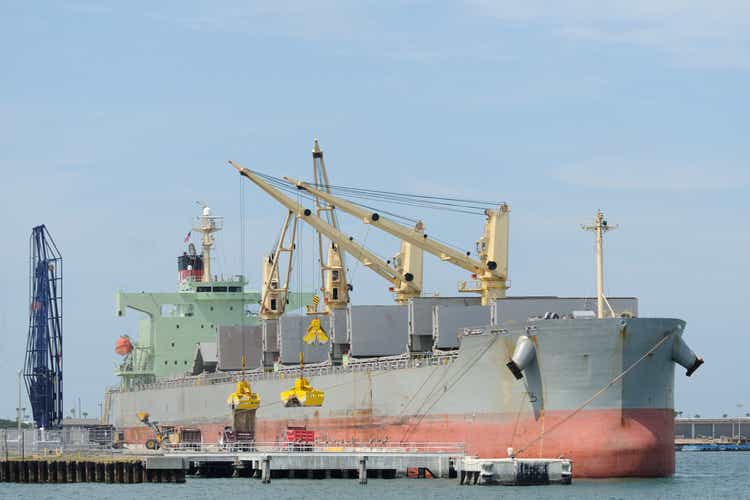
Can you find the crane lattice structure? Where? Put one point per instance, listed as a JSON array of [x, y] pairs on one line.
[[43, 368]]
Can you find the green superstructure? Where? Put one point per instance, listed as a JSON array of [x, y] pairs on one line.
[[176, 322]]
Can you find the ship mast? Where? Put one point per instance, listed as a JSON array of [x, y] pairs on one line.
[[599, 227], [207, 224], [334, 284]]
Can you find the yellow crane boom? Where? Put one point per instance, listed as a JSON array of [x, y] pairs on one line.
[[404, 287], [275, 294], [491, 269]]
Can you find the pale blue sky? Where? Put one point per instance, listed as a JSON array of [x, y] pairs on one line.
[[115, 119]]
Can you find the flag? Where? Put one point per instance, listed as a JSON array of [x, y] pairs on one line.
[[187, 237]]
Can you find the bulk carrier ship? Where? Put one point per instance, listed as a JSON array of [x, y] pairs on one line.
[[584, 378]]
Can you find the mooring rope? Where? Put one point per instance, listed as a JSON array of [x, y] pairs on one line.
[[596, 395], [446, 389]]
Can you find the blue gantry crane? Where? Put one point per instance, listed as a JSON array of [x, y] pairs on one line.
[[43, 368]]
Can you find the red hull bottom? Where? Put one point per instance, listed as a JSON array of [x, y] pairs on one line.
[[601, 443]]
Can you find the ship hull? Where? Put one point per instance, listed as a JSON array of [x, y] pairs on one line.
[[474, 400], [602, 443]]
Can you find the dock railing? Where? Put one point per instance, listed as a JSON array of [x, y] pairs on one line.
[[374, 447]]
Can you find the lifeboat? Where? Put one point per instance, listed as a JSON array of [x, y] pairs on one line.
[[123, 345]]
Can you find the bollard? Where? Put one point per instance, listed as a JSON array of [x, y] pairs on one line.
[[362, 470]]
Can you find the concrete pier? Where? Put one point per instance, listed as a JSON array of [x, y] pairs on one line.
[[516, 471]]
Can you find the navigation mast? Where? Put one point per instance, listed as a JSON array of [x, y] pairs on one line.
[[207, 224], [599, 227]]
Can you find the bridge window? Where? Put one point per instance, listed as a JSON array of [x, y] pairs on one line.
[[168, 310]]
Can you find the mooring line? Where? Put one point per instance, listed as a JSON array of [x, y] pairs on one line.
[[597, 394]]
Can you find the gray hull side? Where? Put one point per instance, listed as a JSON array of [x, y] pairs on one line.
[[575, 359]]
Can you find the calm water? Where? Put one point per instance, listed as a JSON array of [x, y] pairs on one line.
[[699, 475]]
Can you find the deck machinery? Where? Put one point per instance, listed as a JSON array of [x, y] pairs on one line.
[[43, 367]]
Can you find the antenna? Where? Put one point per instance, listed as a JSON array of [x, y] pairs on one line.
[[207, 224], [600, 226]]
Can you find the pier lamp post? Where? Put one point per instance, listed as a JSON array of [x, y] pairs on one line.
[[739, 421], [19, 417]]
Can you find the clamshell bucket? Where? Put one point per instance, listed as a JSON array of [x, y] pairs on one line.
[[523, 356], [243, 398], [302, 394], [315, 333]]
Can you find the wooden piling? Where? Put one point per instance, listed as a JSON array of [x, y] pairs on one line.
[[24, 471], [138, 472], [62, 474], [72, 471]]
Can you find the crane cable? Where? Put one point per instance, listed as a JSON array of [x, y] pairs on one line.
[[283, 185], [461, 205], [242, 270]]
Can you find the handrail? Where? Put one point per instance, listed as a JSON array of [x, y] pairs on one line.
[[318, 447], [374, 364]]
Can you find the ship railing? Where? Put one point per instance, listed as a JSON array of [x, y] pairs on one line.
[[319, 446], [326, 368]]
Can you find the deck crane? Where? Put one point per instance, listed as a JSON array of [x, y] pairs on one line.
[[275, 295], [490, 270], [334, 284], [406, 281]]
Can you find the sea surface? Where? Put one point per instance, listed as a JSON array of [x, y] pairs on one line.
[[699, 475]]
